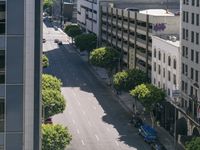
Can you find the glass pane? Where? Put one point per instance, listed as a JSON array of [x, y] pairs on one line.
[[2, 112], [2, 61], [2, 17]]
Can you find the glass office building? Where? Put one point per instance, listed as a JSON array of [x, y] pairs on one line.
[[20, 51]]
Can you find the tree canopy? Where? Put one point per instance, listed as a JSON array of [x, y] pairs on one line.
[[127, 80], [105, 57], [148, 95], [73, 30], [86, 41], [45, 61], [50, 82], [47, 3], [53, 103], [55, 137], [194, 144]]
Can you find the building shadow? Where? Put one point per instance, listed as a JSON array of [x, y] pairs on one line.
[[74, 72]]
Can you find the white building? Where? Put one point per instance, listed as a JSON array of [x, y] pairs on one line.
[[190, 74], [87, 16], [166, 62]]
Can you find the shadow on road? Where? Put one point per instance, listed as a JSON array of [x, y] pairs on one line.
[[75, 73]]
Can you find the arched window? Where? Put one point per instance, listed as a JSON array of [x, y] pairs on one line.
[[169, 60], [174, 63]]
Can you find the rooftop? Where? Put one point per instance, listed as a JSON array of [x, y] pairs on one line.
[[169, 38], [157, 12]]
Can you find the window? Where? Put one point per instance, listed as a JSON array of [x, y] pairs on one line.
[[183, 16], [183, 33], [197, 3], [169, 61], [2, 66], [174, 63], [183, 68], [186, 34], [168, 92], [154, 52], [186, 87], [2, 113], [159, 55], [154, 66], [186, 70], [169, 76], [174, 79], [193, 2], [197, 38], [2, 17], [182, 85], [196, 76], [192, 55], [192, 36], [187, 16], [192, 73], [197, 57], [197, 19], [163, 72], [159, 69], [192, 16], [186, 52], [164, 57]]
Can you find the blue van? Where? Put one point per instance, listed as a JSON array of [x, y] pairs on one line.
[[149, 133]]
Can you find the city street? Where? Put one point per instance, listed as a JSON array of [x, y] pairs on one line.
[[94, 117]]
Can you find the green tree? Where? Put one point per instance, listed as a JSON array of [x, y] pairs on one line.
[[86, 41], [149, 96], [105, 57], [67, 27], [47, 5], [73, 31], [45, 61], [53, 103], [119, 80], [55, 137], [50, 82], [194, 144], [127, 80]]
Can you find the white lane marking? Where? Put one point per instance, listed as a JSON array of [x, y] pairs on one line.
[[82, 142], [117, 143], [89, 123], [73, 121], [97, 137], [78, 131]]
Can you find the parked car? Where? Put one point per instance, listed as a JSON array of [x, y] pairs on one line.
[[59, 42], [136, 121], [43, 40], [56, 40], [157, 146], [48, 121], [149, 134]]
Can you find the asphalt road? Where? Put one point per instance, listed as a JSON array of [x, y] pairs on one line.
[[94, 117]]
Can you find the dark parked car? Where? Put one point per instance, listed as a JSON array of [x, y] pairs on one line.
[[43, 40], [48, 121], [136, 121], [149, 134], [60, 43], [56, 40]]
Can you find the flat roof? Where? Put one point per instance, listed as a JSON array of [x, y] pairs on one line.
[[167, 39], [157, 12]]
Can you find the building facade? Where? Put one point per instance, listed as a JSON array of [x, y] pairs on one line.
[[87, 15], [166, 72], [20, 71], [190, 77], [131, 31]]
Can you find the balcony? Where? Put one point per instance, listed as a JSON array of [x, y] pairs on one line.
[[125, 47]]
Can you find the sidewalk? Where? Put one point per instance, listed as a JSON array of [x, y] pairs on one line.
[[127, 101]]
